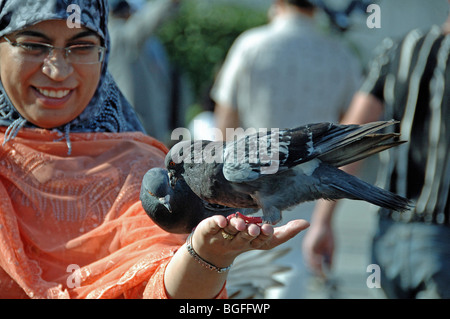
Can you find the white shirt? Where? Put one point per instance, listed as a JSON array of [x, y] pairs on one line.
[[286, 74]]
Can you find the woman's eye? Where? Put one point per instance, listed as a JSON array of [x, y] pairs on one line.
[[82, 49], [34, 48]]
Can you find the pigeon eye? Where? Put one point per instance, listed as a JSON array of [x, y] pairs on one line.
[[171, 163]]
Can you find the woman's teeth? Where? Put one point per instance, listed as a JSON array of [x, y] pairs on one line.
[[59, 94]]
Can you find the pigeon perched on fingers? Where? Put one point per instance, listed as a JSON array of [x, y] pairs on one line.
[[279, 169], [177, 210]]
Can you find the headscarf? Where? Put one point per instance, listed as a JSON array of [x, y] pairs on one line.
[[108, 111]]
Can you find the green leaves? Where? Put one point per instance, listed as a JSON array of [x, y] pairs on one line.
[[200, 36]]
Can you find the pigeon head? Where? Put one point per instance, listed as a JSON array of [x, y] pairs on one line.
[[165, 205], [155, 191]]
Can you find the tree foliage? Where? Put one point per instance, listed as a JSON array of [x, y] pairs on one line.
[[198, 39]]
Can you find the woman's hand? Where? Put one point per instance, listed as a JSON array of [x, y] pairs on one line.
[[219, 242], [210, 243]]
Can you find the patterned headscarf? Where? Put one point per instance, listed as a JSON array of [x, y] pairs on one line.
[[108, 111]]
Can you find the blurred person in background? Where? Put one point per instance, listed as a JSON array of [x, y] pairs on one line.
[[285, 74], [139, 62], [410, 82]]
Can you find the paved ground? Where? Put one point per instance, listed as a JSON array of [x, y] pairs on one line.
[[354, 227], [355, 224]]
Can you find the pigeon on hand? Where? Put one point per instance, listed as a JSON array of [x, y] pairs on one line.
[[177, 210], [296, 165]]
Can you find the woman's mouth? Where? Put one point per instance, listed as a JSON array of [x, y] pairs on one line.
[[55, 94], [53, 98]]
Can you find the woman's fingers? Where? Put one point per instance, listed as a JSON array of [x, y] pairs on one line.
[[237, 235], [283, 233], [244, 238], [266, 233]]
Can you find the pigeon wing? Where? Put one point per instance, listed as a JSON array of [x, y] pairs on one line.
[[255, 155], [338, 144], [274, 151]]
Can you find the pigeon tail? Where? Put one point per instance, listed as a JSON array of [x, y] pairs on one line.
[[360, 149], [338, 145], [339, 136], [343, 185]]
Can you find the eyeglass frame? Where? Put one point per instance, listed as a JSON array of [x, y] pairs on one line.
[[102, 50]]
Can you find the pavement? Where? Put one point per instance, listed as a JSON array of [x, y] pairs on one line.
[[354, 226]]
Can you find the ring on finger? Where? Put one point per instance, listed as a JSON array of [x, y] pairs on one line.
[[226, 235]]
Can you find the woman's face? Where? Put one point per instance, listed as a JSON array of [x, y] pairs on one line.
[[54, 92]]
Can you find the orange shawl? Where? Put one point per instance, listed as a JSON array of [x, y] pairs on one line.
[[73, 226]]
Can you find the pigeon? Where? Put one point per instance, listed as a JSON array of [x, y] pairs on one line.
[[178, 210], [275, 170]]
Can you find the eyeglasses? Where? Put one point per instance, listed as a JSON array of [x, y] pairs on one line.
[[75, 54]]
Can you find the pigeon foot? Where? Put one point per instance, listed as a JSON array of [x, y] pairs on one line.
[[247, 219]]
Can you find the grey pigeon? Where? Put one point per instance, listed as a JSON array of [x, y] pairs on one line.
[[177, 210], [279, 169]]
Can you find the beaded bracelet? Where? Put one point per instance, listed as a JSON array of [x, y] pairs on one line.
[[200, 260]]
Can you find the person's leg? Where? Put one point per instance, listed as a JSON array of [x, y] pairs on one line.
[[430, 260], [390, 252]]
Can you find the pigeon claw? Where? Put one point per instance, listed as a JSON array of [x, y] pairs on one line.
[[247, 219]]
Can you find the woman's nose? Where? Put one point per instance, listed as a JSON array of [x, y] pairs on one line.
[[56, 67]]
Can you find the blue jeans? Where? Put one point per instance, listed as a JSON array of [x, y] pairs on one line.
[[414, 259]]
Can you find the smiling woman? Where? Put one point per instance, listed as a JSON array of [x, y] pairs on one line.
[[50, 87], [58, 90], [72, 158]]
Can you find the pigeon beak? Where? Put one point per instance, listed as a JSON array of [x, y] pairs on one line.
[[166, 202]]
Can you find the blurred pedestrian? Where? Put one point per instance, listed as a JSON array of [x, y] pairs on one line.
[[285, 73], [139, 62], [409, 81]]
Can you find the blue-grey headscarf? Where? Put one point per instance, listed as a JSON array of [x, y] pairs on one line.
[[108, 111]]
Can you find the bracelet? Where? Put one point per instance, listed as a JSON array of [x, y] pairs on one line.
[[200, 260]]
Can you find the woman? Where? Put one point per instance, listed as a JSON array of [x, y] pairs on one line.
[[72, 157]]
